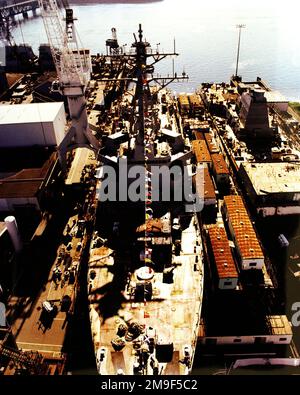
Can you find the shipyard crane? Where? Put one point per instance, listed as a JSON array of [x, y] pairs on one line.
[[112, 44], [73, 67]]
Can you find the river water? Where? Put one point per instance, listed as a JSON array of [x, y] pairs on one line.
[[206, 36]]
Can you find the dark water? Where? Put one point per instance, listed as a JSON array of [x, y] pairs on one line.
[[206, 36]]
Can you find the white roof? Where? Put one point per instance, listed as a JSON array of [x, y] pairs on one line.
[[170, 133], [275, 97], [276, 177], [29, 113], [116, 135]]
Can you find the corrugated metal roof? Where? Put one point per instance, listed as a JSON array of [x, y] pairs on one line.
[[219, 164], [201, 151], [279, 325], [26, 174], [20, 189], [195, 100], [183, 100], [234, 201], [198, 135], [211, 143], [244, 232], [25, 183], [222, 254], [209, 188]]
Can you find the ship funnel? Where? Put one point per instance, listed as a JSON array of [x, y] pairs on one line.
[[12, 227]]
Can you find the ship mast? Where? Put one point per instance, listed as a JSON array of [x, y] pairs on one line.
[[141, 77], [138, 65], [142, 73]]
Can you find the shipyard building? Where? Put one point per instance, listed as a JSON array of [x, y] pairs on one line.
[[273, 188], [221, 256], [241, 326], [220, 169], [28, 187], [29, 136], [26, 125], [201, 152], [272, 97], [240, 226], [254, 115]]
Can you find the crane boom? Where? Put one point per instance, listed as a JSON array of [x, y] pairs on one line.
[[73, 69], [64, 48]]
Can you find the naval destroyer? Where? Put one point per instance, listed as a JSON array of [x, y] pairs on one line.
[[145, 277]]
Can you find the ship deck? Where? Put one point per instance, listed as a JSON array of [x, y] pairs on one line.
[[173, 312]]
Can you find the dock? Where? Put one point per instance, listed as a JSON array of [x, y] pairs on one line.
[[40, 324]]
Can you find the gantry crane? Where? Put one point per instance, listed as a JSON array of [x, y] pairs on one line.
[[73, 67]]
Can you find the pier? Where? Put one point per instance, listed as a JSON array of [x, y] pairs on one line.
[[11, 9]]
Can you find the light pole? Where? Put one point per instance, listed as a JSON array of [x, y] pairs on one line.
[[240, 27]]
